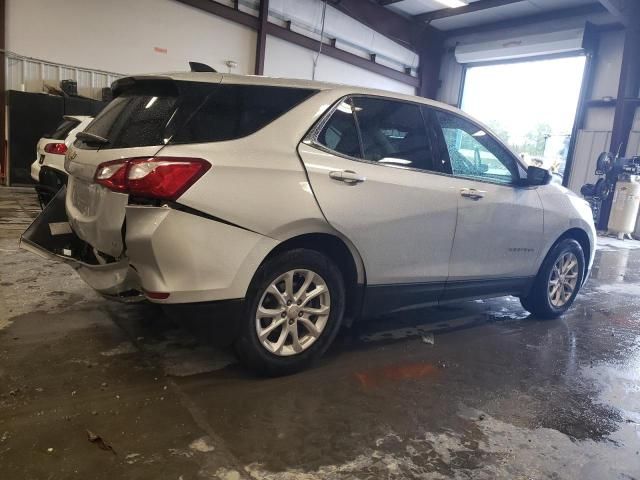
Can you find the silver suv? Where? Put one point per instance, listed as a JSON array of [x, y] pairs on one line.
[[306, 206]]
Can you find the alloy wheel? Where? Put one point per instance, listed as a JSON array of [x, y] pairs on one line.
[[292, 312], [563, 279]]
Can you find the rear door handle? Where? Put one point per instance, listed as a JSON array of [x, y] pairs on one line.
[[347, 176], [472, 193]]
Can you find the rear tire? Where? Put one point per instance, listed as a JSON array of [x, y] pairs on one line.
[[558, 281], [293, 311]]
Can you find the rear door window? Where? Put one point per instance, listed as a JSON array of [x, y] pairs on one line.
[[62, 131], [393, 133]]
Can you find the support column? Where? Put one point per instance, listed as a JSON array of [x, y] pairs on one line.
[[430, 61], [4, 160], [591, 45], [626, 104], [261, 40]]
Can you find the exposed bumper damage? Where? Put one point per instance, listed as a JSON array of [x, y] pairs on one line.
[[185, 255], [50, 236]]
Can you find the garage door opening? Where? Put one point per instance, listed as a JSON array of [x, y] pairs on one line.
[[531, 105]]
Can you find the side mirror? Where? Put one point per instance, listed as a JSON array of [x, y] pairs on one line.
[[538, 176]]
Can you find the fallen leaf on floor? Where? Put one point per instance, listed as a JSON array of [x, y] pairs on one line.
[[429, 339], [202, 445], [98, 440]]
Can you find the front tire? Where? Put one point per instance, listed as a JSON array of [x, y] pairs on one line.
[[558, 281], [293, 311]]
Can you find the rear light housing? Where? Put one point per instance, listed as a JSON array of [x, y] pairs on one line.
[[163, 178], [55, 148], [157, 295]]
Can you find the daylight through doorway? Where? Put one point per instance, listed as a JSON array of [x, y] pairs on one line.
[[530, 105]]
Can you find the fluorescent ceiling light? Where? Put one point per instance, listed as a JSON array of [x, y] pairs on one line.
[[452, 3], [151, 102]]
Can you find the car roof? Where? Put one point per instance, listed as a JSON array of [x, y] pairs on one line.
[[339, 90], [343, 89]]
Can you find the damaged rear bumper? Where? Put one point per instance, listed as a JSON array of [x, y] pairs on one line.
[[185, 256], [51, 237]]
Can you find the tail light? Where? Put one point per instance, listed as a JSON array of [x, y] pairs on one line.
[[55, 148], [157, 295], [164, 178]]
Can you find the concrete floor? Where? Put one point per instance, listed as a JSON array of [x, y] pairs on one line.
[[498, 395]]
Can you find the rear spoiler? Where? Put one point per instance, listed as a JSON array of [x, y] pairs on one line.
[[125, 83]]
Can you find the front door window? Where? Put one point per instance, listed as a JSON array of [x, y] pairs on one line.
[[474, 153]]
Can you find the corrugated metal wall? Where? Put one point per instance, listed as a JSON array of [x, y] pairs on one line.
[[31, 75], [452, 77], [589, 145], [595, 136]]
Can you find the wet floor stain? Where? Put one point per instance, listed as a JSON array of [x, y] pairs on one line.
[[477, 390], [395, 373]]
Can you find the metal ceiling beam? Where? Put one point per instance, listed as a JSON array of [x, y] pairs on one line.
[[384, 3], [298, 39], [417, 36], [519, 22], [625, 11], [402, 30], [470, 8], [339, 54], [225, 12]]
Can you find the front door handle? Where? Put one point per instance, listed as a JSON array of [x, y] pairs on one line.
[[472, 193], [347, 176]]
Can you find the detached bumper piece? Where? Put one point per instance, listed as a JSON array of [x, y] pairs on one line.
[[51, 237]]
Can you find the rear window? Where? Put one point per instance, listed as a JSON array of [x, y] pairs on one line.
[[139, 117], [157, 113], [235, 111], [62, 131]]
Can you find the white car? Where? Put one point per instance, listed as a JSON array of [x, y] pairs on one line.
[[306, 206], [52, 148]]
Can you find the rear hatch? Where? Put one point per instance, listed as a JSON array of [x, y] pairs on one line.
[[139, 122]]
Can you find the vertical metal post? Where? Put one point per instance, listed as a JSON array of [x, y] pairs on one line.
[[626, 102], [261, 39], [4, 162], [590, 43], [430, 60]]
